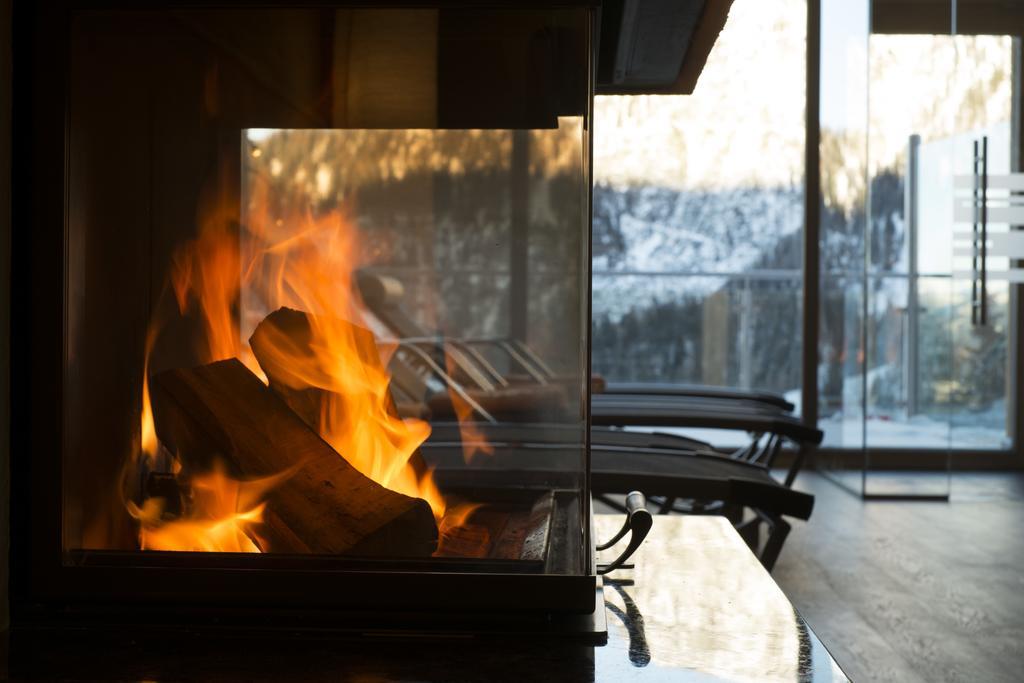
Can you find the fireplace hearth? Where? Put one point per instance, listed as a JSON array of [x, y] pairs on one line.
[[220, 424]]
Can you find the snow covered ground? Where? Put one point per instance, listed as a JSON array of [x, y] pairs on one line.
[[918, 432], [693, 235]]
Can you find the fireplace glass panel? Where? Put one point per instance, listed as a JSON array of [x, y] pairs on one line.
[[326, 288]]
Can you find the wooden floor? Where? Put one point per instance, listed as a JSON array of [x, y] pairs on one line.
[[914, 591]]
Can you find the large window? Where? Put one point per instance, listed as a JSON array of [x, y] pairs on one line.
[[698, 216], [699, 209]]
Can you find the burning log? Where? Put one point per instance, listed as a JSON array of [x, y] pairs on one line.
[[326, 505], [283, 346]]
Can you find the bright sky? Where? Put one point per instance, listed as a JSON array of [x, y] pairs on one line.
[[745, 122], [743, 125], [844, 64]]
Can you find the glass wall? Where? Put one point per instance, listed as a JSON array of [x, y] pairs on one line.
[[698, 225]]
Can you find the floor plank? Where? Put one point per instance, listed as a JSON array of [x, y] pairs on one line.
[[914, 591]]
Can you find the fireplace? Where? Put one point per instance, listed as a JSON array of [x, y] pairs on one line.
[[216, 412]]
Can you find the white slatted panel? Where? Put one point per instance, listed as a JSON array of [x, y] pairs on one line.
[[1008, 244], [1013, 182], [1002, 208], [964, 213], [1015, 275], [1000, 244]]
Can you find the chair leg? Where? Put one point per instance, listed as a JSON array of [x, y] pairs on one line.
[[733, 512], [798, 462], [771, 451], [776, 537], [750, 532], [749, 452]]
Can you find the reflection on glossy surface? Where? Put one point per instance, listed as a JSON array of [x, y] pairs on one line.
[[632, 619], [698, 602], [697, 607]]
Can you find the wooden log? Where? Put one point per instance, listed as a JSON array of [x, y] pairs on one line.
[[286, 335], [327, 506]]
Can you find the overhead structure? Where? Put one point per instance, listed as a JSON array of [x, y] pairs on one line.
[[656, 47]]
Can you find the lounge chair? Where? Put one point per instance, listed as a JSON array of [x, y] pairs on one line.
[[768, 426], [677, 474], [765, 416]]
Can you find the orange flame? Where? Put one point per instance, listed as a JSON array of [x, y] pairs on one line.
[[472, 437], [149, 440], [305, 263], [460, 538], [206, 274], [224, 514], [311, 269]]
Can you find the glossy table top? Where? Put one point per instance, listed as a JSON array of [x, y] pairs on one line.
[[697, 606]]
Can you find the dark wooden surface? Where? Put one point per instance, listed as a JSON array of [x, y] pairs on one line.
[[697, 607], [914, 591]]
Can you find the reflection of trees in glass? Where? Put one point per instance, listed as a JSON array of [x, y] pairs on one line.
[[979, 371], [653, 342], [434, 209], [968, 374], [843, 243], [962, 368]]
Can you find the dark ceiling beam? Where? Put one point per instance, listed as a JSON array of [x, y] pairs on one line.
[[934, 17], [706, 31], [710, 25]]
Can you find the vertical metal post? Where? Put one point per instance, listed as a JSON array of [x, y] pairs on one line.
[[746, 336], [912, 367], [586, 266], [812, 217], [1015, 369]]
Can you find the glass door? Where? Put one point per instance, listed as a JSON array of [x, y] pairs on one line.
[[941, 199], [987, 212], [909, 292]]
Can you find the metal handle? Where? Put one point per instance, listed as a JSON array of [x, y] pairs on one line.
[[984, 230], [979, 235], [638, 522], [974, 237], [911, 346]]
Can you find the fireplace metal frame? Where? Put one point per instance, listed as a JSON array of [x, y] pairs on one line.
[[44, 590]]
